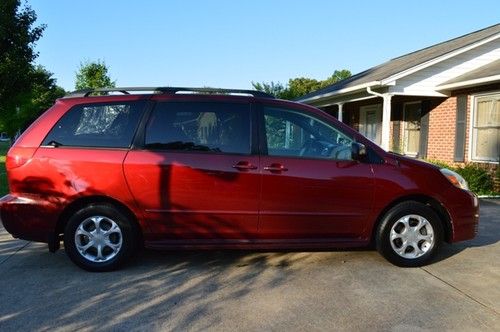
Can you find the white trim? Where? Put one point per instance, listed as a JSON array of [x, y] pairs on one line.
[[404, 128], [343, 101], [472, 109], [438, 59], [401, 91], [469, 82], [341, 91]]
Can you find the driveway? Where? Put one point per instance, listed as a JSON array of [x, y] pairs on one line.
[[241, 290]]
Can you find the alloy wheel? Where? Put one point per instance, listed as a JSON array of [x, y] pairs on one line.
[[98, 239], [412, 236]]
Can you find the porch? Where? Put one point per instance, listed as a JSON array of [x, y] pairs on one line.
[[395, 122]]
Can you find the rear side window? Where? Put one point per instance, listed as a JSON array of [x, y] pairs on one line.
[[203, 126], [97, 125]]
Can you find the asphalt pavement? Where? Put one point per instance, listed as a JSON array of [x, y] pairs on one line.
[[254, 291]]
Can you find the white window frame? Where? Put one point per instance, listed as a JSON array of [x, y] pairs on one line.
[[405, 126], [471, 119]]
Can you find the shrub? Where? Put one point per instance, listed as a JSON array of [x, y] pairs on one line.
[[440, 164], [479, 180]]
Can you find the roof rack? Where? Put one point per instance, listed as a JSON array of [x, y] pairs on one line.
[[167, 90]]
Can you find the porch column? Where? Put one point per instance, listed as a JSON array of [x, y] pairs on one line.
[[386, 121], [339, 114]]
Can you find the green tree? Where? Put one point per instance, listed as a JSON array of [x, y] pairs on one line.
[[300, 86], [92, 75], [338, 75], [18, 35], [31, 104], [275, 89]]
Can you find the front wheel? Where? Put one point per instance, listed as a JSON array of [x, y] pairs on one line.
[[99, 237], [410, 234]]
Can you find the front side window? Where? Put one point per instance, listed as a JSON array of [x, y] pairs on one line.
[[200, 126], [291, 133], [109, 125], [486, 128]]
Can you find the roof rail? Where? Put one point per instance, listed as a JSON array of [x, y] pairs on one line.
[[174, 90], [167, 90], [124, 90]]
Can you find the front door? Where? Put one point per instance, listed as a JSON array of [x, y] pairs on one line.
[[411, 137], [196, 177], [370, 122], [311, 188]]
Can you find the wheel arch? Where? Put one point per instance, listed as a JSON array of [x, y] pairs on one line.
[[433, 203], [88, 200]]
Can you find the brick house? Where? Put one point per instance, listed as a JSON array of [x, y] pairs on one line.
[[440, 103]]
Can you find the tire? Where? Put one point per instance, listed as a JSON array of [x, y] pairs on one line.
[[409, 235], [100, 237]]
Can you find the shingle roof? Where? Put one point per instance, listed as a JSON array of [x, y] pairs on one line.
[[407, 61]]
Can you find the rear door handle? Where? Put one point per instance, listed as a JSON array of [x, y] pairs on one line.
[[276, 168], [244, 166]]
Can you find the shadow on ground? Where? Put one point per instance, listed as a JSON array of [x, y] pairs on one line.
[[215, 289]]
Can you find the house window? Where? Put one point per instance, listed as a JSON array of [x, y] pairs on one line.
[[411, 136], [486, 128]]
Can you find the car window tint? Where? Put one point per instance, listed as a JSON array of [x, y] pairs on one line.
[[198, 126], [97, 125], [292, 133]]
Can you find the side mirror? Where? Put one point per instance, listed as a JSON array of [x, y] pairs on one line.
[[358, 151]]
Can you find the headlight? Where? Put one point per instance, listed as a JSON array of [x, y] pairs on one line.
[[456, 179]]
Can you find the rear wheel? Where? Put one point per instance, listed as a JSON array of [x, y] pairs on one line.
[[410, 234], [99, 237]]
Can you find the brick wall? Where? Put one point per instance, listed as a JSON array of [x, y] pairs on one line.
[[442, 120]]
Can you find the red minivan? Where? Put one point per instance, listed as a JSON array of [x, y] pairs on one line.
[[109, 171]]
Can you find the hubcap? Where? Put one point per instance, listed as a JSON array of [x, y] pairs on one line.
[[412, 236], [98, 239]]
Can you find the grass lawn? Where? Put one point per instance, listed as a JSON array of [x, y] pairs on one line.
[[3, 176]]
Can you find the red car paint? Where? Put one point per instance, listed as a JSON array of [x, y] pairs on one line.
[[196, 199]]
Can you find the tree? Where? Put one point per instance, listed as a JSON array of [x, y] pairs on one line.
[[92, 75], [300, 86], [31, 104], [338, 75], [275, 89], [18, 36]]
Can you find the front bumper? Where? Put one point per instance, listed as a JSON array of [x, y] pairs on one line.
[[463, 209]]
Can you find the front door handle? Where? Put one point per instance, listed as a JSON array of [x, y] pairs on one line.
[[275, 167], [244, 166]]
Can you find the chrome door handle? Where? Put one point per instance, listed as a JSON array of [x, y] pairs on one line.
[[276, 168], [244, 166]]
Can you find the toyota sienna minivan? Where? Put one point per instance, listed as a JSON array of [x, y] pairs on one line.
[[108, 171]]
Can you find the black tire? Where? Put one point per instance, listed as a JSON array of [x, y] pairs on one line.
[[393, 216], [127, 233]]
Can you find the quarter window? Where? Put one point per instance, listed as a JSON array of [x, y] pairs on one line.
[[206, 127], [291, 133], [486, 128], [97, 125]]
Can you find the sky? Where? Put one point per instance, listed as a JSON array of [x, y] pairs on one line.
[[229, 44]]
